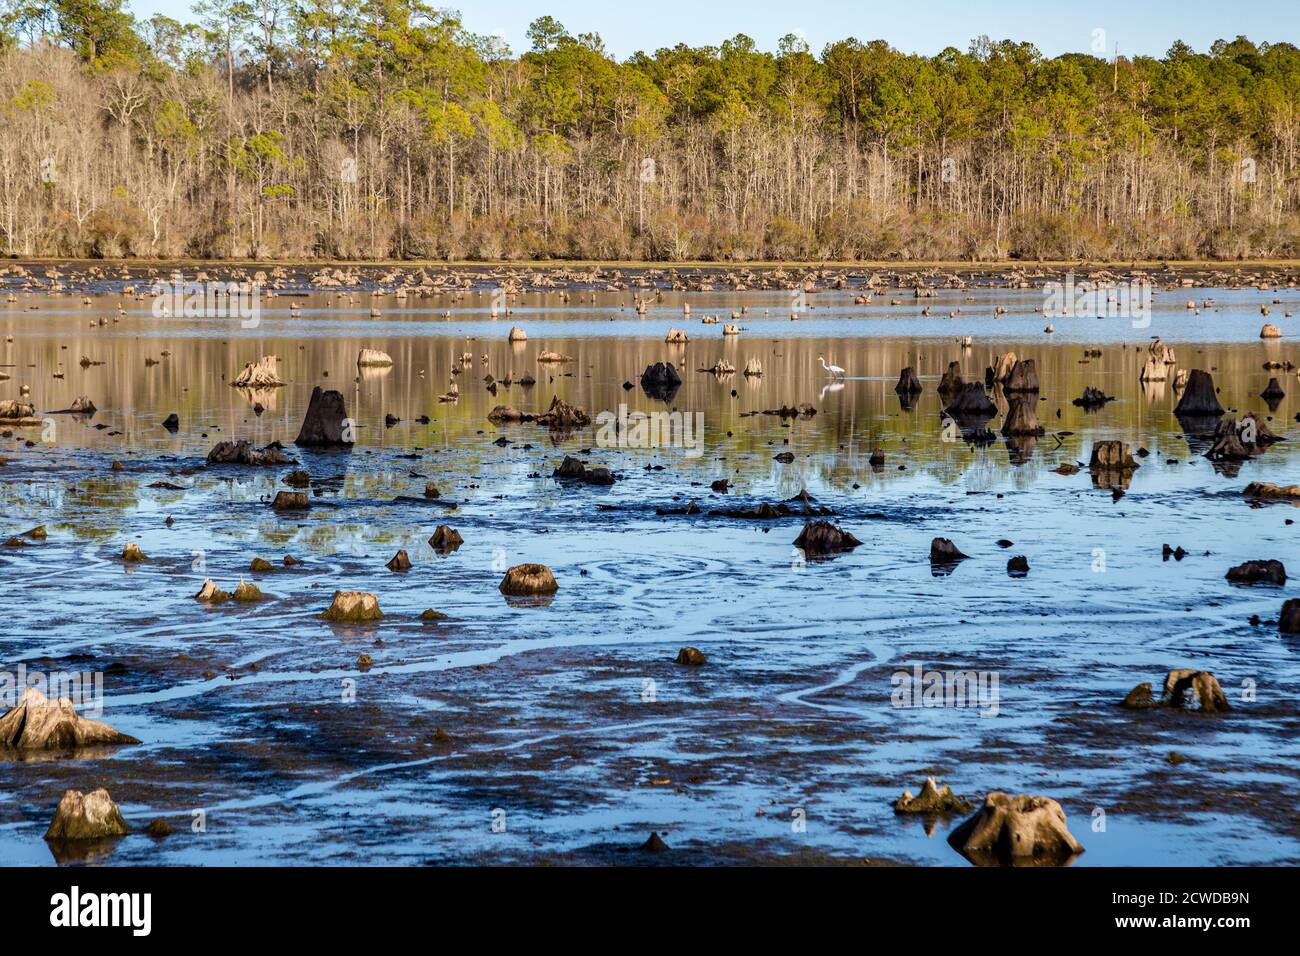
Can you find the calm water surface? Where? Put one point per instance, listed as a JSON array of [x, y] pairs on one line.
[[568, 733]]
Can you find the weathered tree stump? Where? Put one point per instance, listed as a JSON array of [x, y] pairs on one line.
[[908, 383], [1198, 398], [326, 422]]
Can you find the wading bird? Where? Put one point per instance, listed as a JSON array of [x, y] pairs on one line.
[[835, 370]]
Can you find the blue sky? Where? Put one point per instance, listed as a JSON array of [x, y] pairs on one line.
[[915, 26]]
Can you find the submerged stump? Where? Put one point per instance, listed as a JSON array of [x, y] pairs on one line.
[[1288, 622], [528, 580], [1199, 399], [1258, 572], [1187, 684], [823, 538], [908, 383], [445, 539], [86, 816], [971, 403], [38, 723], [932, 799], [1022, 417], [661, 381], [259, 374], [951, 383], [1016, 828], [353, 607], [326, 422], [1023, 377]]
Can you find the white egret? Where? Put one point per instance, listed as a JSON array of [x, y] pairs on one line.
[[835, 370]]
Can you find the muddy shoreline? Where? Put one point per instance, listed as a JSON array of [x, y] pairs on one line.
[[64, 276]]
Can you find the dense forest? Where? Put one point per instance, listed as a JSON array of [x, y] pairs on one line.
[[384, 129]]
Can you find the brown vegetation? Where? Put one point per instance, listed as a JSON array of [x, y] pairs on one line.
[[386, 130]]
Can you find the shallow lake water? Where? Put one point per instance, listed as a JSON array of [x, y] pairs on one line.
[[565, 732]]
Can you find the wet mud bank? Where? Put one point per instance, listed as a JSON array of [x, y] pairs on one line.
[[468, 723]]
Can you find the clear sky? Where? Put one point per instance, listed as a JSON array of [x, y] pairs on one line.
[[914, 26]]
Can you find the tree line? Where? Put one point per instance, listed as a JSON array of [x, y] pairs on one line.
[[296, 129]]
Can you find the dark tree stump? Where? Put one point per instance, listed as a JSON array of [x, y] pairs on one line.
[[324, 423]]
